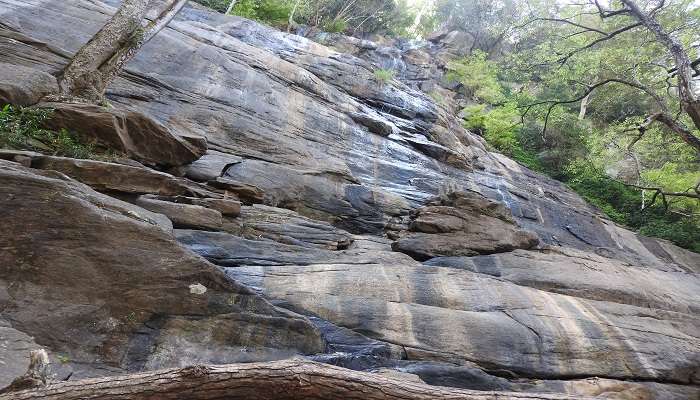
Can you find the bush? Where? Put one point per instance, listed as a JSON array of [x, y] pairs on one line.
[[384, 75], [334, 26], [271, 12], [479, 77], [217, 5], [499, 126], [623, 204], [22, 129]]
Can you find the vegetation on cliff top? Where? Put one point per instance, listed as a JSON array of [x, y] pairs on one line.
[[22, 129]]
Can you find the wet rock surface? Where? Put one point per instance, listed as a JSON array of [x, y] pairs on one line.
[[316, 170]]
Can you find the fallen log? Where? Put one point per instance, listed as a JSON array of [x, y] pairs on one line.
[[294, 379]]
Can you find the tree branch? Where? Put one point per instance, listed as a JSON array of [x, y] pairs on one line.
[[589, 90], [608, 36], [660, 192]]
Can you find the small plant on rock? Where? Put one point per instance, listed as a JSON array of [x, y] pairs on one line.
[[22, 129], [384, 75]]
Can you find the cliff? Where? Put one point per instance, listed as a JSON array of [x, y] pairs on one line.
[[333, 215]]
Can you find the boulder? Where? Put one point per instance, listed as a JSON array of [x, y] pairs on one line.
[[24, 86], [129, 132], [99, 282], [183, 215], [462, 224]]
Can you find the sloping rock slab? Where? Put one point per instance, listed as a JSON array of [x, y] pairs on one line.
[[132, 133], [24, 86], [286, 226], [105, 176], [88, 277], [227, 207], [457, 316], [183, 215], [232, 251], [588, 276], [210, 166], [462, 224]]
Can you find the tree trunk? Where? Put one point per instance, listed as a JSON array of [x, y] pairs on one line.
[[584, 107], [291, 16], [230, 7], [280, 380], [96, 64], [36, 375], [111, 68]]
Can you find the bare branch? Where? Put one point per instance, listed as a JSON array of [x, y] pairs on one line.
[[588, 91], [608, 36], [660, 192]]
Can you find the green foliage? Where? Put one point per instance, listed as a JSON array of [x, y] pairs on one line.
[[623, 204], [357, 17], [490, 23], [334, 25], [22, 129], [384, 75], [217, 5], [479, 77], [271, 12], [438, 98], [499, 125]]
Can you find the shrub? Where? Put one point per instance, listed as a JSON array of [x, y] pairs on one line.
[[22, 129], [271, 12], [217, 5], [334, 26], [499, 126], [623, 205], [479, 77], [384, 75]]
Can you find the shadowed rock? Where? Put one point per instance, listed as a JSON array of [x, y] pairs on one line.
[[106, 176], [462, 224], [24, 86], [127, 132], [183, 215], [103, 283]]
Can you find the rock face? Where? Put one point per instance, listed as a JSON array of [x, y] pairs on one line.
[[462, 224], [525, 286], [24, 86], [183, 215], [103, 285], [126, 132]]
